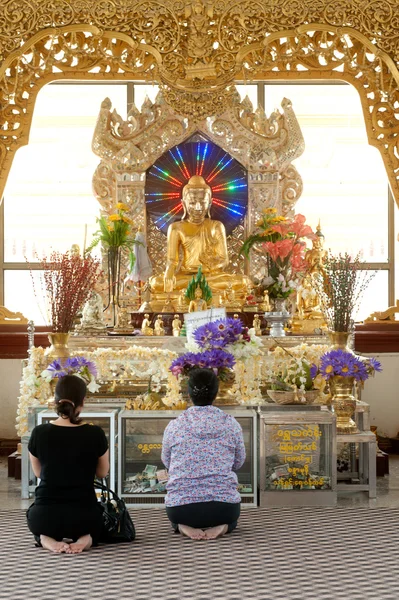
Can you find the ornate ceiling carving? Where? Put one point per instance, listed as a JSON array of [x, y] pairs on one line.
[[195, 50]]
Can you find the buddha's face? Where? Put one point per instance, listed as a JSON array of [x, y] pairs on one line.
[[198, 293], [197, 202]]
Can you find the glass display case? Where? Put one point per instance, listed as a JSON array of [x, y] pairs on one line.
[[105, 417], [142, 477], [297, 456]]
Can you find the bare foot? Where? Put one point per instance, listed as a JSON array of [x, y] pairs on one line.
[[50, 544], [194, 534], [215, 532], [83, 543]]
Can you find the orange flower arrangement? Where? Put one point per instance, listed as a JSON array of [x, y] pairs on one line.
[[282, 241]]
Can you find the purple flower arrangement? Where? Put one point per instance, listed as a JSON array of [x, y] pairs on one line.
[[75, 365], [345, 364], [218, 360], [72, 366], [221, 333], [213, 338]]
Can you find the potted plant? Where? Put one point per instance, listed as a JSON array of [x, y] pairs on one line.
[[218, 345], [341, 369], [116, 235], [341, 284], [68, 281], [281, 241]]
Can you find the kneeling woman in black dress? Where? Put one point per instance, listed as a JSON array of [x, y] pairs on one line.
[[67, 454]]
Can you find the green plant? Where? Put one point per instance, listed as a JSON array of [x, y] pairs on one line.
[[199, 281], [115, 231]]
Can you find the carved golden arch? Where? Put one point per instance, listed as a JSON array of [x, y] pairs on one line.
[[315, 51]]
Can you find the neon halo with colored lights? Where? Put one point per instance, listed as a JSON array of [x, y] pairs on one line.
[[223, 173]]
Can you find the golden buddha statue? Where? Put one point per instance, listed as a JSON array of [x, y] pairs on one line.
[[309, 316], [168, 306], [256, 324], [146, 326], [182, 304], [229, 300], [307, 301], [159, 328], [265, 306], [198, 303], [176, 326], [201, 241]]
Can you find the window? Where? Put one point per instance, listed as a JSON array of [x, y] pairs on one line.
[[49, 204]]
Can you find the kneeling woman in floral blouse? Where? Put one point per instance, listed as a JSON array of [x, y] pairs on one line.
[[201, 449]]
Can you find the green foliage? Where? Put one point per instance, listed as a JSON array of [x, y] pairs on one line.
[[115, 232], [199, 281]]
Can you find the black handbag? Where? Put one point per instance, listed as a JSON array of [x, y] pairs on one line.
[[118, 526]]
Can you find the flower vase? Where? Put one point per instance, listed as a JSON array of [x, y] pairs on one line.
[[343, 403], [225, 396], [277, 318], [114, 268], [339, 340], [59, 345]]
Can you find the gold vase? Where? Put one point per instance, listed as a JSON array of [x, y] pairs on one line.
[[339, 340], [59, 345], [225, 396], [343, 403]]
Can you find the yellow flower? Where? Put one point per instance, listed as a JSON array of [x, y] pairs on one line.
[[110, 227], [115, 218], [122, 206], [267, 231], [279, 219], [127, 220], [270, 211]]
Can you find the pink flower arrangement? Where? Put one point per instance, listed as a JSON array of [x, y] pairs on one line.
[[282, 240]]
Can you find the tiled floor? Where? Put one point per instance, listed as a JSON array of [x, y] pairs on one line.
[[387, 490]]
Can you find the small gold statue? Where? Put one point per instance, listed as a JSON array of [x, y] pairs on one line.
[[182, 304], [235, 316], [229, 300], [124, 320], [176, 326], [257, 325], [146, 297], [309, 317], [250, 304], [146, 326], [198, 303], [307, 300], [168, 306], [265, 306], [159, 328]]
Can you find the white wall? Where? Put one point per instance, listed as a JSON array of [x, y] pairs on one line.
[[10, 376], [381, 392]]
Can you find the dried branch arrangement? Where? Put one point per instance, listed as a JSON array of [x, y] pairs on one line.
[[341, 286], [67, 281]]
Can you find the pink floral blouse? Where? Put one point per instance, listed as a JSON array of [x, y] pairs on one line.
[[201, 449]]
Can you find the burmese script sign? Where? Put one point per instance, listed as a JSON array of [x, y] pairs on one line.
[[296, 457], [196, 319]]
